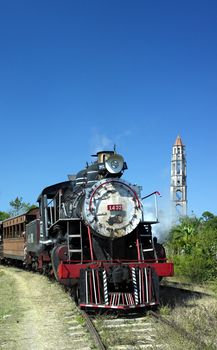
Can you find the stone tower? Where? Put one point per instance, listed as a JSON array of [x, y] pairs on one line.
[[178, 186]]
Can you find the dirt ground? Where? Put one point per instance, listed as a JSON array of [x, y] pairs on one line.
[[36, 314]]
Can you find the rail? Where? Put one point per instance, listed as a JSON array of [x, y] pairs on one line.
[[180, 330], [93, 331]]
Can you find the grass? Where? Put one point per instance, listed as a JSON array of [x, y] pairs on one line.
[[11, 314], [196, 314], [212, 285], [165, 310], [80, 319], [9, 310], [35, 310]]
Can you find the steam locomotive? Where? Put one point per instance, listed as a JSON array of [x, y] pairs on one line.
[[91, 233]]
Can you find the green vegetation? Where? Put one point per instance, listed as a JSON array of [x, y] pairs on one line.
[[18, 207], [80, 319], [37, 313], [195, 315], [165, 310], [192, 244], [9, 310], [4, 215]]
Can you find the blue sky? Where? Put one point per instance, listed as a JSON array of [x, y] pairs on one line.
[[79, 76]]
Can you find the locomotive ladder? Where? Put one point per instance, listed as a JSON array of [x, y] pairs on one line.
[[75, 250], [147, 250]]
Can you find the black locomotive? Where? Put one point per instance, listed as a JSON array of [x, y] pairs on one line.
[[91, 233]]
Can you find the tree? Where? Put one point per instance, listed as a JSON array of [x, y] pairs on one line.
[[4, 215], [19, 206], [193, 246], [206, 216], [181, 238]]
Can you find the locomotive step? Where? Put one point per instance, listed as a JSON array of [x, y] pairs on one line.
[[75, 250], [74, 236]]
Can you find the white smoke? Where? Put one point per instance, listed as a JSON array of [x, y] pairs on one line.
[[101, 142], [163, 215]]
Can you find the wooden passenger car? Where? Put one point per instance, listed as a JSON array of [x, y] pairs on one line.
[[14, 234]]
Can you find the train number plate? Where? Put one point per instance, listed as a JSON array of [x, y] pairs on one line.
[[114, 207]]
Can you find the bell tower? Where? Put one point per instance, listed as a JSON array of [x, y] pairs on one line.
[[178, 185]]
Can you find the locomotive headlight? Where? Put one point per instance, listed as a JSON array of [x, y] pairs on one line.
[[114, 164]]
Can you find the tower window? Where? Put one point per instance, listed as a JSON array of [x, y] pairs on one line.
[[178, 195], [179, 209], [178, 167]]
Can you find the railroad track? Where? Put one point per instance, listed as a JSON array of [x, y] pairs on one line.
[[128, 332], [140, 331], [135, 333], [187, 335]]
